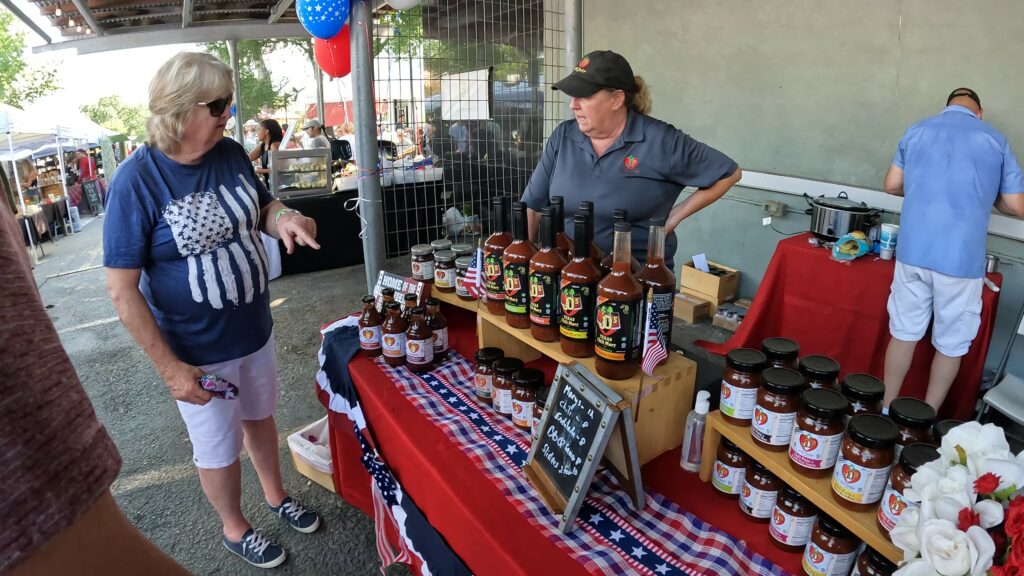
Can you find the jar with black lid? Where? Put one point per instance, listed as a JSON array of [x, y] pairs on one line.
[[504, 372], [740, 382], [538, 409], [462, 265], [864, 392], [730, 469], [483, 381], [792, 520], [914, 419], [462, 250], [893, 503], [820, 371], [444, 270], [943, 427], [441, 244], [865, 460], [778, 400], [872, 563], [832, 550], [525, 384], [781, 352], [818, 433], [423, 263], [760, 490]]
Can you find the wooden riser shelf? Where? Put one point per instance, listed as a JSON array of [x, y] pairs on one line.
[[817, 490], [451, 298]]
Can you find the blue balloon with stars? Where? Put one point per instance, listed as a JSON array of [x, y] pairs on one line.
[[323, 18]]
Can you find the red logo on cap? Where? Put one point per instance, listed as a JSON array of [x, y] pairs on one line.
[[582, 66], [630, 162]]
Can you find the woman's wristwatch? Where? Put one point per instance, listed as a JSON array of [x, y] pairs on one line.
[[284, 211]]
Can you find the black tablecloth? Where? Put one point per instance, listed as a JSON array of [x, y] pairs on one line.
[[337, 234]]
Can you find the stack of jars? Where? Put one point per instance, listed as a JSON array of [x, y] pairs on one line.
[[511, 389], [413, 336], [444, 265]]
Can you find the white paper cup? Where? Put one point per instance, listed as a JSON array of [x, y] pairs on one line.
[[886, 253], [889, 235]]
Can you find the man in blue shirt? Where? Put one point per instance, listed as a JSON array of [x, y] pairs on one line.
[[951, 170]]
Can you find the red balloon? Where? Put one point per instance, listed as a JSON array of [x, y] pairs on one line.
[[333, 55]]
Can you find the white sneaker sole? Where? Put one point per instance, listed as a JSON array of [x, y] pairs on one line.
[[309, 529], [272, 564]]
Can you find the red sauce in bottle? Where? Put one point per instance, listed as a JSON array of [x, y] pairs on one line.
[[494, 249], [618, 314], [658, 282], [619, 215], [562, 241], [369, 328], [393, 335], [545, 270], [596, 253], [577, 296], [516, 268], [439, 326], [419, 342]]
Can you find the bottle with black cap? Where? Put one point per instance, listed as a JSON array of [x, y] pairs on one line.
[[596, 253], [617, 340], [562, 241], [516, 268], [494, 249], [545, 271], [621, 215], [577, 295], [658, 282]]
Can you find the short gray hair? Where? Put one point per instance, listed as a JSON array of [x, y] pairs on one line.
[[182, 82]]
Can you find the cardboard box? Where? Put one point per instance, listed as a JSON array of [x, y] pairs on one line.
[[722, 319], [714, 300], [722, 288], [321, 478], [689, 308]]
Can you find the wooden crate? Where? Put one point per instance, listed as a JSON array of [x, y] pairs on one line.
[[321, 478], [718, 288], [664, 400], [818, 490]]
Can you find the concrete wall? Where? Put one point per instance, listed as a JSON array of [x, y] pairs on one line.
[[820, 89]]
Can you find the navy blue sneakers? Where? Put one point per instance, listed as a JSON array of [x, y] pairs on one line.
[[299, 517], [255, 549]]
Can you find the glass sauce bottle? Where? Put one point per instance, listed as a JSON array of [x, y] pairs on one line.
[[494, 249], [658, 282], [393, 335], [596, 253], [577, 294], [516, 268], [409, 302], [386, 295], [545, 269], [439, 326], [369, 328], [419, 342], [619, 215], [562, 241], [618, 314]]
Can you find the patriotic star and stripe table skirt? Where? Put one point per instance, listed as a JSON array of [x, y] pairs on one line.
[[440, 473]]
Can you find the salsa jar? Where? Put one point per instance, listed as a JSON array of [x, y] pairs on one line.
[[462, 265], [781, 352], [778, 400], [423, 263], [864, 392], [419, 342], [441, 244], [893, 503], [820, 371], [538, 410], [818, 433], [872, 563], [525, 384], [483, 379], [740, 382], [730, 468], [914, 419], [832, 550], [760, 490], [865, 461], [943, 427], [792, 520], [462, 250], [369, 328], [504, 372], [444, 270]]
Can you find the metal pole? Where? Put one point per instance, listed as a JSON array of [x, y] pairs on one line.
[[236, 78], [63, 180], [370, 199], [319, 75], [21, 199], [573, 40]]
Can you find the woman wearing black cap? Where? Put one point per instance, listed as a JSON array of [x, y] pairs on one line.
[[617, 156]]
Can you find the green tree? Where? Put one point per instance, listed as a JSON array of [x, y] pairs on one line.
[[20, 84], [260, 92], [113, 114]]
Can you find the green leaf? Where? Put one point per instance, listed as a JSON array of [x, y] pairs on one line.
[[962, 454], [1005, 493]]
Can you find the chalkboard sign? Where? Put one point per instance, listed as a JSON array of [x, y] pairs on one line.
[[582, 415], [91, 191]]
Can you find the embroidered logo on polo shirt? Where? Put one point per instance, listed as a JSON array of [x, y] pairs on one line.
[[582, 66], [630, 163]]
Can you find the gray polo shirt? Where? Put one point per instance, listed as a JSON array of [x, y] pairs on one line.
[[644, 172]]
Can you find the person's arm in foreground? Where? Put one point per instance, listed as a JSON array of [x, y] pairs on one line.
[[700, 199]]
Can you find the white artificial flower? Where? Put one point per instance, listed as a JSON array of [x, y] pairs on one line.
[[978, 441], [1009, 470], [954, 553], [904, 534], [991, 513], [918, 567], [946, 497], [926, 474]]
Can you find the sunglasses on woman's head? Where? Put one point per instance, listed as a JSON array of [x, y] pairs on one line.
[[217, 106]]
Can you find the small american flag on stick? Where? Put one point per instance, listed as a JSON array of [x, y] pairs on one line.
[[474, 276], [654, 348]]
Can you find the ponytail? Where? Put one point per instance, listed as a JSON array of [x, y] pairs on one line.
[[640, 101]]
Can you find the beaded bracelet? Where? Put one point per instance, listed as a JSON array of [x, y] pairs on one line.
[[283, 211]]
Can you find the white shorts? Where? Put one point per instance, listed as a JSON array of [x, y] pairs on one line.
[[215, 428], [917, 293]]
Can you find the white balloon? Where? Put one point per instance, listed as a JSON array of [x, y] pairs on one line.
[[403, 4]]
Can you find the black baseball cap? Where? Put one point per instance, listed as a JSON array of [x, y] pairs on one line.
[[964, 92], [598, 69]]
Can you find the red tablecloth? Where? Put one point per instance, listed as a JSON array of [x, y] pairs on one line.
[[839, 309], [471, 513]]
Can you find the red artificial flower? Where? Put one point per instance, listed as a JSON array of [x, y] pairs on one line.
[[1000, 541], [987, 483], [1014, 524], [997, 571], [967, 518]]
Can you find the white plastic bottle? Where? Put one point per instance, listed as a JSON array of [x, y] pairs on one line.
[[693, 438]]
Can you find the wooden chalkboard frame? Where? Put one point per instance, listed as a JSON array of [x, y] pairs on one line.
[[91, 191], [616, 439]]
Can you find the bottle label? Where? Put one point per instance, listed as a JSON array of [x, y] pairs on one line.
[[615, 338], [756, 502], [893, 505], [814, 451], [543, 298], [369, 337], [662, 304], [460, 286], [440, 340], [423, 270], [517, 288], [859, 484], [728, 479], [394, 345], [789, 529], [494, 278], [737, 402], [818, 562], [772, 428], [482, 384], [576, 302], [419, 351], [534, 424], [444, 278], [522, 413], [503, 401]]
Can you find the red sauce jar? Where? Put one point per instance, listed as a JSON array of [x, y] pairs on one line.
[[740, 382], [526, 382], [504, 372], [423, 263], [792, 521], [538, 410], [871, 563], [778, 400], [865, 462], [760, 490], [444, 270], [893, 503], [820, 371], [864, 393], [943, 427], [483, 380], [781, 352], [914, 419], [818, 433], [832, 550], [730, 469]]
